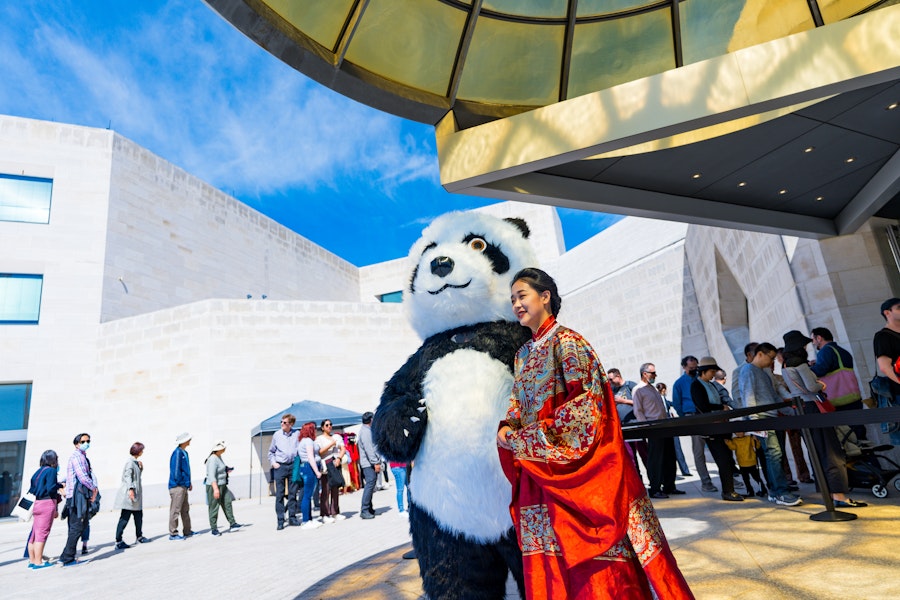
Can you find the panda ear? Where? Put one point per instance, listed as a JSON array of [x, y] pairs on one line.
[[521, 225]]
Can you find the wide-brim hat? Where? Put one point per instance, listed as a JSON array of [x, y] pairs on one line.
[[794, 340], [182, 438], [220, 445], [706, 363]]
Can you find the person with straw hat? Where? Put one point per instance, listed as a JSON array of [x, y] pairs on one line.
[[217, 493]]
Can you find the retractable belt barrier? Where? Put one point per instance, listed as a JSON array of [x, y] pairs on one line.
[[723, 421]]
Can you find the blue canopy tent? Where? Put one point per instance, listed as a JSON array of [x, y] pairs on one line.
[[304, 411]]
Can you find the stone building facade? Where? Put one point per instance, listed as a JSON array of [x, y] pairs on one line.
[[167, 305]]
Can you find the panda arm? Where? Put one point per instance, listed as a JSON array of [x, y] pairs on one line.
[[399, 424]]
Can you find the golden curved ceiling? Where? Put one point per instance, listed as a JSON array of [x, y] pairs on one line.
[[487, 59]]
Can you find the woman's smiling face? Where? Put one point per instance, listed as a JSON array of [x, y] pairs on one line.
[[530, 307]]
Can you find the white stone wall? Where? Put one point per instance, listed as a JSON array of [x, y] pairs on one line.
[[57, 354], [759, 263], [625, 291], [842, 282], [218, 368], [173, 239], [383, 278]]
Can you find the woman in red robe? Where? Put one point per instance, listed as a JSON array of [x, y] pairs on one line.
[[582, 516]]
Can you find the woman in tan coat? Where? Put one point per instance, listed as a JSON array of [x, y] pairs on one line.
[[130, 499]]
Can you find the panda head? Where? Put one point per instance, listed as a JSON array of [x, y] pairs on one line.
[[462, 269]]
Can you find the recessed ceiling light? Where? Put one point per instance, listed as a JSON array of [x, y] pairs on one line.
[[696, 176], [819, 198], [742, 184], [809, 149], [782, 192], [849, 160], [892, 106]]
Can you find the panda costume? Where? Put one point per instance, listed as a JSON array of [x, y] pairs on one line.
[[441, 409]]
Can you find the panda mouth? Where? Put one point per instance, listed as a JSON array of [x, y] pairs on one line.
[[449, 285]]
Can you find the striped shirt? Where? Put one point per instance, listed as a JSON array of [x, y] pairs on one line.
[[78, 469]]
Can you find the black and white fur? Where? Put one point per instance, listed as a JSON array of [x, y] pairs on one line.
[[441, 409]]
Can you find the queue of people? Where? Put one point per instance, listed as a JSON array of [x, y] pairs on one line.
[[78, 496], [826, 382]]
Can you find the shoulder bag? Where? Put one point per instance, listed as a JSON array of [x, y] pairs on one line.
[[335, 476], [823, 404], [841, 385], [24, 508]]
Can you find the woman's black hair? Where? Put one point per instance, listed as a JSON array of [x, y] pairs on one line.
[[541, 282], [794, 358], [49, 459]]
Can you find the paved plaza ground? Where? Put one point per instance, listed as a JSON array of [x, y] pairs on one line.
[[751, 550]]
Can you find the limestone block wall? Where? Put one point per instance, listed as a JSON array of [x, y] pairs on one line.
[[626, 292], [759, 264], [217, 368], [56, 355], [842, 282], [383, 278], [173, 239]]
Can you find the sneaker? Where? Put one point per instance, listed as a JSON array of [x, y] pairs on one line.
[[328, 519], [849, 503], [176, 537], [122, 546], [235, 526], [339, 517], [708, 487], [143, 540], [311, 525], [786, 500], [84, 550], [72, 563]]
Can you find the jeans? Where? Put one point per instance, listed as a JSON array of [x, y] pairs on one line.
[[772, 449], [309, 487], [400, 482]]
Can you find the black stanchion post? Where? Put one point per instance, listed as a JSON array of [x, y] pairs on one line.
[[830, 513]]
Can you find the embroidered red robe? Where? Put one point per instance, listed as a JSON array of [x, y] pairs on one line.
[[582, 516]]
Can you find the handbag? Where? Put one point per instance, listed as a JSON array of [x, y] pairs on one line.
[[24, 508], [841, 384], [335, 476], [824, 404]]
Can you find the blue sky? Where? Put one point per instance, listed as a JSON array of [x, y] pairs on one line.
[[177, 79]]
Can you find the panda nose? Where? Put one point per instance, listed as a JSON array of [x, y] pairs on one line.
[[442, 266]]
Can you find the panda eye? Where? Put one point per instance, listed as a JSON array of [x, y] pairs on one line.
[[478, 245]]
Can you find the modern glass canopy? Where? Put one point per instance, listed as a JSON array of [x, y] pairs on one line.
[[488, 59]]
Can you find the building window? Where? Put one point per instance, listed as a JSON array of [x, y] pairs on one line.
[[25, 199], [20, 298], [391, 297], [15, 403]]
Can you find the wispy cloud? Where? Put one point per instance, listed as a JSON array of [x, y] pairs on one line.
[[183, 83]]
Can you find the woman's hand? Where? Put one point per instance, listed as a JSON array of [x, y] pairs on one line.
[[131, 495], [501, 437]]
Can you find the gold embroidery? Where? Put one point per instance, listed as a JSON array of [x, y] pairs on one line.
[[644, 530], [536, 531]]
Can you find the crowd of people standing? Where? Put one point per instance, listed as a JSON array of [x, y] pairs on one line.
[[826, 382]]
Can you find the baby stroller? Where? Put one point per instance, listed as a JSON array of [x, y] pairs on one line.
[[866, 468]]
